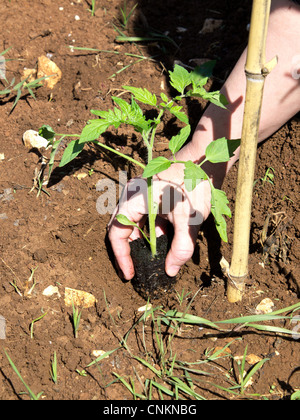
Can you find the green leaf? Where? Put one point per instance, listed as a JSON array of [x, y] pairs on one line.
[[216, 98], [155, 166], [142, 95], [72, 151], [176, 110], [47, 132], [193, 175], [219, 208], [201, 74], [121, 218], [93, 130], [164, 97], [54, 150], [221, 150], [178, 141], [203, 71], [124, 106], [180, 78]]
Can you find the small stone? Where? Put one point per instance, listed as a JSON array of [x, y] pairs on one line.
[[33, 140], [50, 291], [2, 328], [7, 195], [46, 67], [98, 353], [29, 74], [210, 25], [252, 359], [79, 298], [264, 307]]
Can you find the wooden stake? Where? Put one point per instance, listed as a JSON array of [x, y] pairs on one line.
[[256, 70]]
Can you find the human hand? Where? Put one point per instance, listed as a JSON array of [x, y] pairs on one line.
[[185, 210]]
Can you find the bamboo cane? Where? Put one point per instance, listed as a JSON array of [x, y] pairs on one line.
[[256, 70]]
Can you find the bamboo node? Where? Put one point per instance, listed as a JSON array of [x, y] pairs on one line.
[[237, 283]]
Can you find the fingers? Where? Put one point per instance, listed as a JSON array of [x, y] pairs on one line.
[[118, 236], [132, 205], [182, 248]]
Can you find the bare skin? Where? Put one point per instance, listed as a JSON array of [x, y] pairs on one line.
[[280, 103]]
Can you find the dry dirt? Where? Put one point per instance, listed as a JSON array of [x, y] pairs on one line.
[[61, 235]]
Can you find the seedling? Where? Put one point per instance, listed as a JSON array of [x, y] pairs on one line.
[[19, 88], [268, 177], [34, 321], [29, 391], [82, 372], [126, 15], [76, 319], [53, 368], [187, 84], [244, 376], [93, 6]]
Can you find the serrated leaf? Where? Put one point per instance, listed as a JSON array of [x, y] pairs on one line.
[[93, 130], [221, 150], [178, 141], [164, 97], [219, 208], [110, 117], [176, 110], [216, 98], [155, 166], [193, 175], [179, 78], [124, 106], [142, 95]]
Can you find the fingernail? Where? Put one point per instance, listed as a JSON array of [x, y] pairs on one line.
[[172, 271]]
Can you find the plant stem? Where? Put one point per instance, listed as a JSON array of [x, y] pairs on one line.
[[151, 216], [136, 162], [152, 211]]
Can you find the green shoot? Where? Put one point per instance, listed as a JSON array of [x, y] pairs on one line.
[[126, 15], [53, 369], [34, 321], [76, 319], [82, 372], [268, 177], [20, 87], [93, 6], [30, 393], [244, 376]]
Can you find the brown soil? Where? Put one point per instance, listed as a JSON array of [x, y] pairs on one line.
[[63, 236]]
